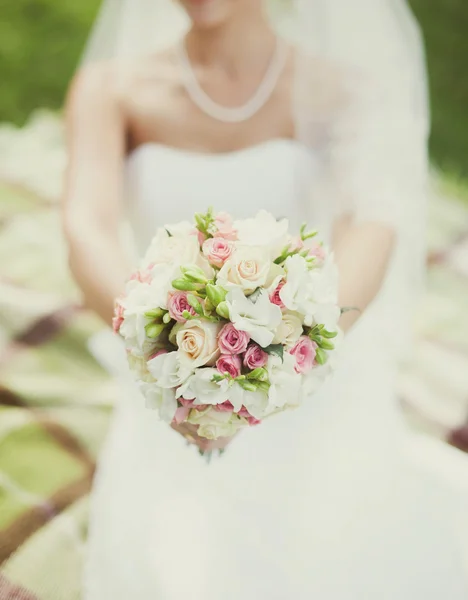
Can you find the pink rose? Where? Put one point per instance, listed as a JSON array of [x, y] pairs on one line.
[[232, 341], [275, 297], [229, 364], [224, 407], [217, 251], [253, 421], [225, 227], [118, 317], [177, 304], [255, 357], [304, 353]]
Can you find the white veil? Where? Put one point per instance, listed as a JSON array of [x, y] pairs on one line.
[[360, 102]]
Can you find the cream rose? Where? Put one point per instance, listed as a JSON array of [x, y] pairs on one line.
[[289, 330], [214, 424], [249, 267], [198, 343]]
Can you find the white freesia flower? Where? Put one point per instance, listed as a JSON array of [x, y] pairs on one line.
[[169, 370], [295, 294], [214, 424], [285, 383], [202, 389], [255, 402], [263, 230], [289, 330], [161, 399], [259, 319], [197, 341], [249, 267]]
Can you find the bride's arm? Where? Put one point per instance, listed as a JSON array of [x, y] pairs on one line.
[[362, 252], [94, 189]]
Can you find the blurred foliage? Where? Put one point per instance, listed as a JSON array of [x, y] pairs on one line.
[[41, 41]]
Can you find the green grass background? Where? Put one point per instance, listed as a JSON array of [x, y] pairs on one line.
[[41, 41]]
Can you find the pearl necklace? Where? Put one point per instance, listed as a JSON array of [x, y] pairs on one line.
[[252, 106]]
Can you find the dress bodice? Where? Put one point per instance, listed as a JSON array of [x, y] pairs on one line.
[[167, 185]]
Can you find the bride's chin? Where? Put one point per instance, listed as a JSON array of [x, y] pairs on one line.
[[205, 14]]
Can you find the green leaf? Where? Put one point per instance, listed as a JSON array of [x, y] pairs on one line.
[[275, 349], [168, 233], [347, 309]]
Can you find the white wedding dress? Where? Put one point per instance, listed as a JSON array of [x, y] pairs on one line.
[[318, 503]]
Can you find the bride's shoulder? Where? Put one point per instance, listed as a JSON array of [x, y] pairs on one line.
[[113, 80]]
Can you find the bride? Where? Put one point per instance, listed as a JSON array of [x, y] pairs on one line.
[[314, 110]]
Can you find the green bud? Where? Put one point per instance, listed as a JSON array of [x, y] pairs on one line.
[[156, 313], [223, 310], [321, 356], [194, 273], [215, 294], [187, 315], [167, 318], [260, 374], [263, 386], [184, 285], [329, 334], [154, 330], [195, 304], [208, 306], [248, 386], [326, 345]]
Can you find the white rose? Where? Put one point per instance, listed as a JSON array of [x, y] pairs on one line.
[[249, 267], [197, 342], [214, 424], [173, 250], [161, 399], [289, 330], [263, 230], [259, 319], [169, 370], [201, 388]]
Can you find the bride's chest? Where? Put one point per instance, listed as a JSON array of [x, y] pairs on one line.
[[166, 185]]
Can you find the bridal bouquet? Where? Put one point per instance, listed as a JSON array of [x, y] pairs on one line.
[[228, 322]]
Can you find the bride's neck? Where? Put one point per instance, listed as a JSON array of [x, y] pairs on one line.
[[245, 39]]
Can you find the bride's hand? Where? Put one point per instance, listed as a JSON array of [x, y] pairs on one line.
[[189, 432]]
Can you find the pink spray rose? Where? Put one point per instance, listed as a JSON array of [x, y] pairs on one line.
[[253, 421], [143, 276], [118, 317], [318, 251], [275, 297], [181, 414], [224, 407], [232, 341], [157, 353], [177, 304], [217, 251], [255, 357], [229, 364], [304, 353], [225, 227], [296, 244], [191, 404]]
